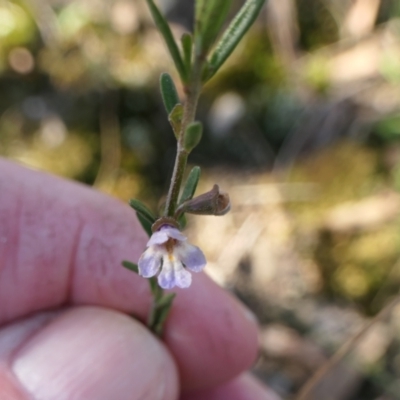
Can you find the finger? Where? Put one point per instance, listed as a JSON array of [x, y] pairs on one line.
[[85, 353], [244, 387], [212, 337], [62, 243]]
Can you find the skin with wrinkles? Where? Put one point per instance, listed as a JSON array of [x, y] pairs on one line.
[[61, 245]]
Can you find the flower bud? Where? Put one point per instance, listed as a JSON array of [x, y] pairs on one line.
[[214, 202]]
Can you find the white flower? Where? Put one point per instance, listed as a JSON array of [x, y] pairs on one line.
[[167, 249]]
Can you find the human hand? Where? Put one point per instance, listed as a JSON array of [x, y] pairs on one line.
[[64, 332]]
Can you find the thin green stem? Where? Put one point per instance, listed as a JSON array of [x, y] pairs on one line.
[[189, 113]]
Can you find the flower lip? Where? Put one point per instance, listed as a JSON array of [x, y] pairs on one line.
[[169, 253], [164, 233]]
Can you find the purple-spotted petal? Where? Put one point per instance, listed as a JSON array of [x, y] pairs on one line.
[[173, 274], [149, 262], [191, 256]]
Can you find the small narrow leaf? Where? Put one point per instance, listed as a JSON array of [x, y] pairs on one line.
[[131, 266], [156, 290], [165, 30], [162, 312], [210, 16], [168, 92], [233, 34], [182, 221], [193, 135], [165, 300], [139, 207], [187, 45], [175, 119], [146, 224], [190, 185]]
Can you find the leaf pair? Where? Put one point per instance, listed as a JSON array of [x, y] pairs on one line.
[[210, 16], [171, 102], [174, 108], [161, 305], [159, 312], [160, 308], [145, 216], [182, 63], [208, 24]]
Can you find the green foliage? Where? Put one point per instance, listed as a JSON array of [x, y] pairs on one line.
[[210, 16], [16, 26], [141, 209], [131, 266], [191, 184], [318, 25], [165, 31], [182, 221], [232, 36], [159, 313], [161, 303], [144, 215], [175, 119], [187, 47], [146, 224], [155, 289], [168, 92], [193, 134], [388, 129]]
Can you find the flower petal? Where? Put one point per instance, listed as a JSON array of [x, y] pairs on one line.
[[158, 237], [149, 262], [164, 233], [191, 256], [173, 232], [173, 274]]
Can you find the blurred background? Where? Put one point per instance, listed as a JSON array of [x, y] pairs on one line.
[[302, 128]]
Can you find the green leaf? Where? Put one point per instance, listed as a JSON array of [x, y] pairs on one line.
[[210, 16], [140, 208], [146, 224], [156, 290], [190, 185], [163, 308], [187, 45], [165, 300], [193, 134], [182, 221], [131, 266], [233, 34], [168, 92], [175, 119], [165, 30]]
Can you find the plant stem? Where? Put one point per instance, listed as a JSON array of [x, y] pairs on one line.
[[189, 112]]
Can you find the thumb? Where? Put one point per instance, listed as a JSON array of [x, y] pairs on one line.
[[84, 353]]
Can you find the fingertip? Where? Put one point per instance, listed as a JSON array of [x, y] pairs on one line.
[[86, 235], [211, 335], [91, 353]]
